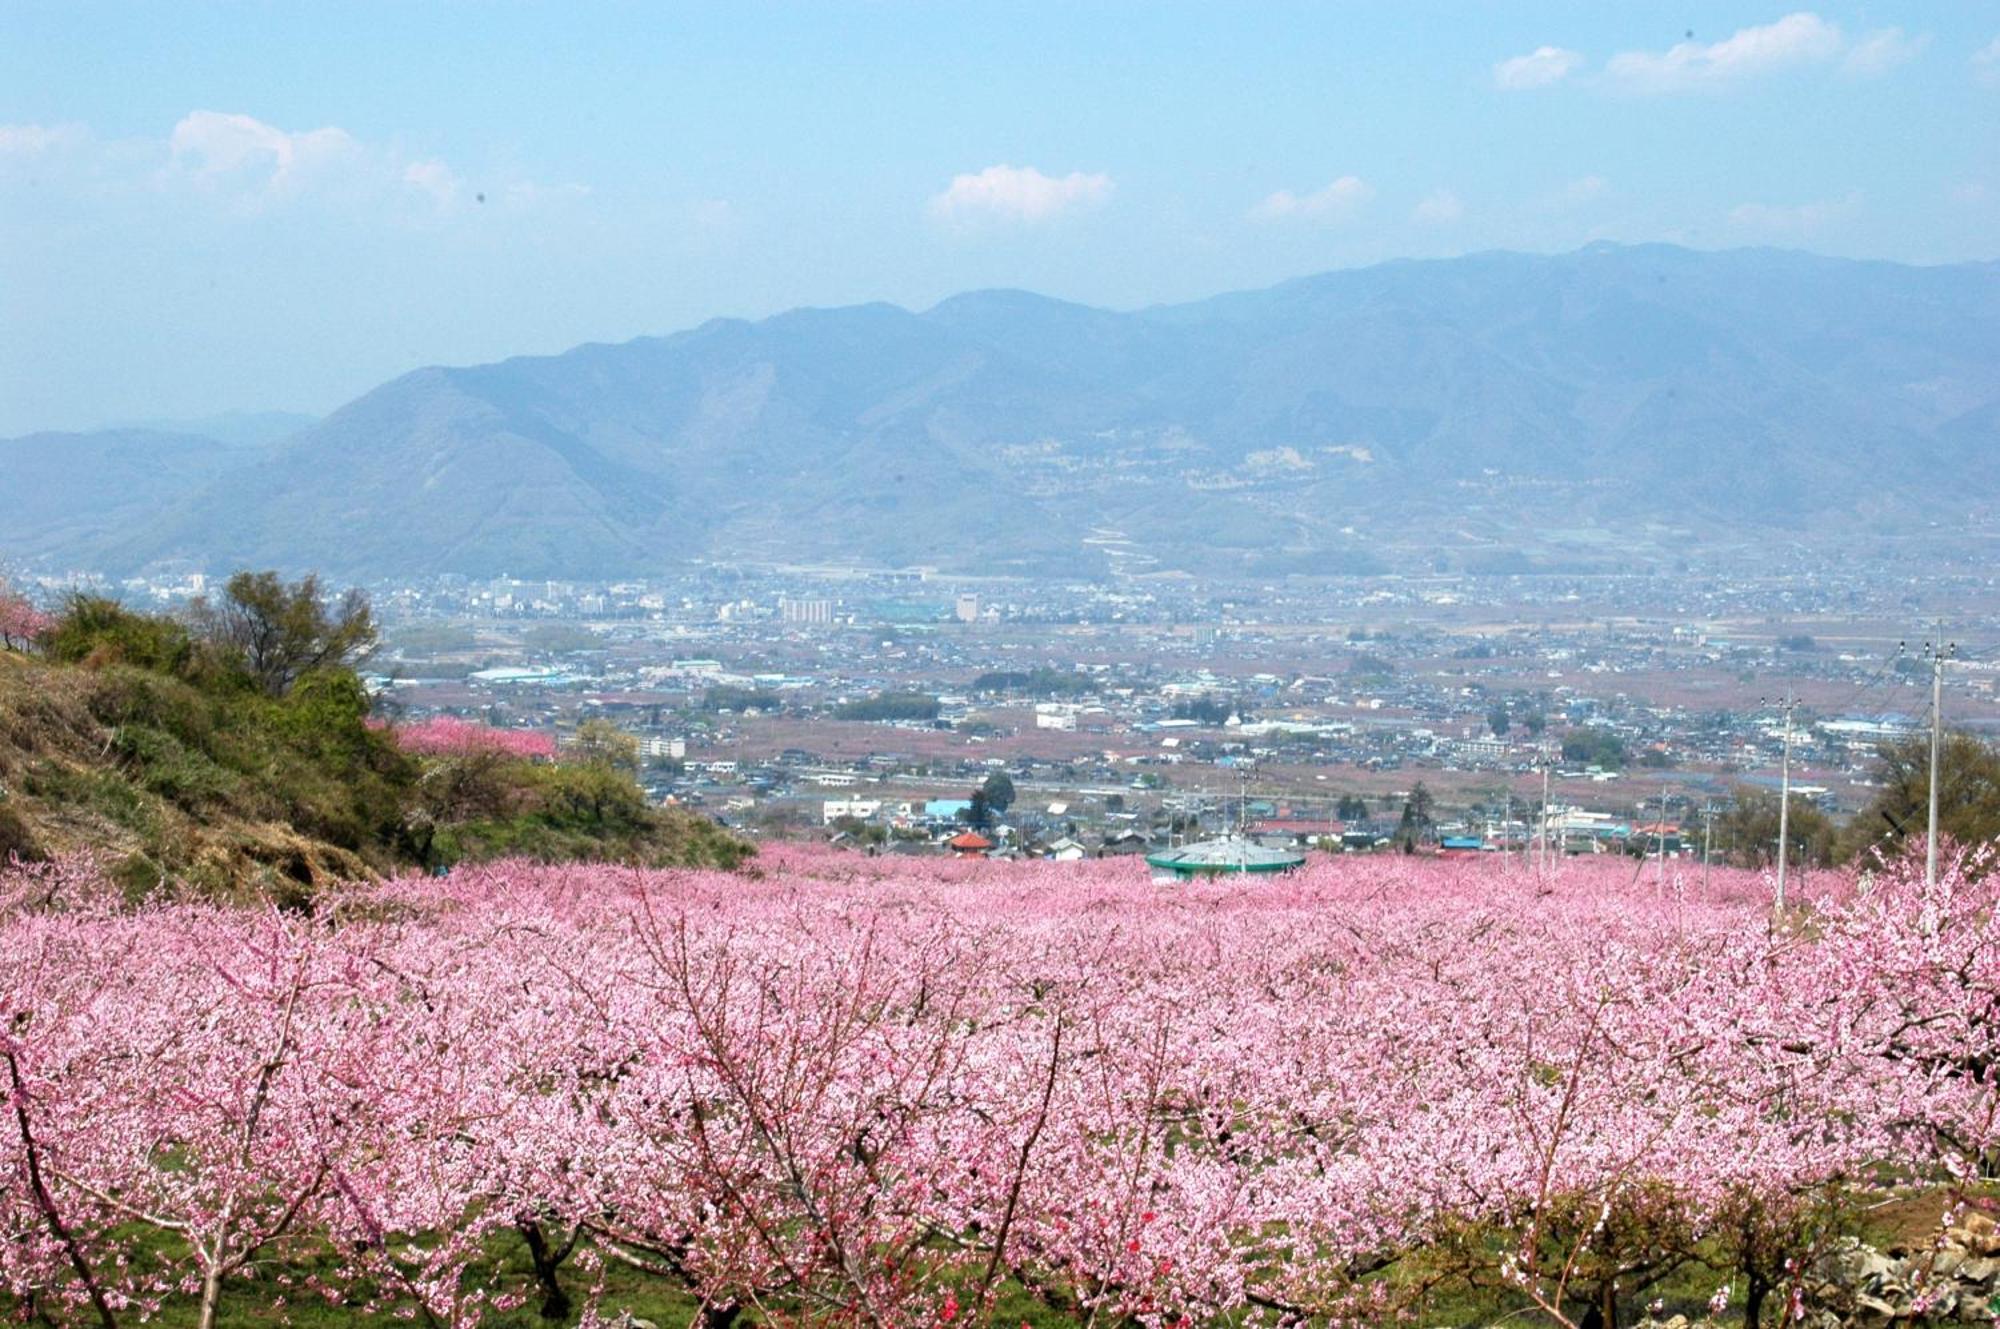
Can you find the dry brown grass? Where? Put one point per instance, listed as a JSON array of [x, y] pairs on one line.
[[64, 788]]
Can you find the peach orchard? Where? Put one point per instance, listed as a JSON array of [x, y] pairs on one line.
[[882, 1092]]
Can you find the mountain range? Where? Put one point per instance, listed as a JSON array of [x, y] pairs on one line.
[[1497, 411]]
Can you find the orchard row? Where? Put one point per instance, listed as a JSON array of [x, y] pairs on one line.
[[844, 1090]]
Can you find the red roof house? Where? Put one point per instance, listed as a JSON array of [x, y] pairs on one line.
[[969, 844]]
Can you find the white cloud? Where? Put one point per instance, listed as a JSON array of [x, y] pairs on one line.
[[1017, 194], [242, 152], [38, 140], [234, 165], [1336, 202], [1585, 189], [1986, 62], [1537, 69], [1880, 52], [249, 167], [1440, 207], [1793, 219], [1796, 39], [434, 178]]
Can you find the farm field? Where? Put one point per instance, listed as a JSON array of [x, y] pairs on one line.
[[841, 1090]]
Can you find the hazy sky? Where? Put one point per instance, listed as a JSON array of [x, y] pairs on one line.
[[214, 207]]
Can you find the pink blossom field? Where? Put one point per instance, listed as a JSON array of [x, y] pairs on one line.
[[836, 1089], [445, 735]]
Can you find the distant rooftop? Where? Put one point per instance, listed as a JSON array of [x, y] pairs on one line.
[[1229, 854]]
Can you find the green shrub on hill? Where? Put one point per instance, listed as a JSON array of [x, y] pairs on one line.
[[98, 630], [234, 751]]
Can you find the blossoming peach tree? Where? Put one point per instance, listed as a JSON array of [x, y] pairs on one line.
[[897, 1093]]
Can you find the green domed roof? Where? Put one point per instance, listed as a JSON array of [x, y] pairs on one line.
[[1230, 854]]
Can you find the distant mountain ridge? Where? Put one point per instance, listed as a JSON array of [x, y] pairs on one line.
[[239, 428], [73, 495], [1499, 409]]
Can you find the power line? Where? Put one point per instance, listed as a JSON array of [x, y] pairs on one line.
[[1887, 672]]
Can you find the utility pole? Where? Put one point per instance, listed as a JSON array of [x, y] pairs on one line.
[[1707, 841], [1543, 828], [1660, 873], [1939, 651], [1537, 832], [1785, 806]]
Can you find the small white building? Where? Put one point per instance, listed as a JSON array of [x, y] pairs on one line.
[[1065, 850]]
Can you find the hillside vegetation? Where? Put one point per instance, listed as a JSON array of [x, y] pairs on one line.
[[232, 751]]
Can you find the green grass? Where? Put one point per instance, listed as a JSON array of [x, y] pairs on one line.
[[254, 1299], [100, 793]]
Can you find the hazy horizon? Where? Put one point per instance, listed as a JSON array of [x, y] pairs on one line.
[[230, 418], [208, 209]]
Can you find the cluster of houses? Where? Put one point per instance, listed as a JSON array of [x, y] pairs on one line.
[[1263, 831]]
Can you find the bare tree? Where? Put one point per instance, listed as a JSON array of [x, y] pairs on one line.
[[279, 632]]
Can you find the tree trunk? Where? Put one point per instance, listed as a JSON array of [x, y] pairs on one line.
[[720, 1317], [1755, 1290], [211, 1295], [1602, 1313], [555, 1301], [46, 1202]]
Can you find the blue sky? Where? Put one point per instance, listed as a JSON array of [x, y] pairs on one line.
[[216, 207]]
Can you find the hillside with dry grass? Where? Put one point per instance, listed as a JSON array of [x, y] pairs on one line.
[[82, 770], [188, 764]]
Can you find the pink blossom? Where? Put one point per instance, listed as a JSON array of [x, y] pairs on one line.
[[445, 735], [21, 623], [877, 1088]]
